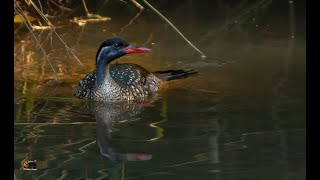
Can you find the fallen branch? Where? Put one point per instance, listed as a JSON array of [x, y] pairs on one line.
[[155, 10], [85, 7]]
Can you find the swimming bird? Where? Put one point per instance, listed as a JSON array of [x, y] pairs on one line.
[[122, 82]]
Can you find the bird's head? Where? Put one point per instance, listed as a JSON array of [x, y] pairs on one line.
[[114, 48]]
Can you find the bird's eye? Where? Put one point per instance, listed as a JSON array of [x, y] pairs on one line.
[[118, 45]]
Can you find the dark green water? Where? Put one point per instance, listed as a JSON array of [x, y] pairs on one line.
[[242, 117]]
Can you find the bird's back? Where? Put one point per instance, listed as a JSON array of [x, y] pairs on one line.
[[134, 81], [123, 82], [128, 74]]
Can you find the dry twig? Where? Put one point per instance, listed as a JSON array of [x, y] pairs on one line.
[[176, 29]]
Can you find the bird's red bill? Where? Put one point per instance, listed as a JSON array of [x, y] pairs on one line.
[[131, 50]]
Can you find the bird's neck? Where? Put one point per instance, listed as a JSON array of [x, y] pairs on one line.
[[102, 63]]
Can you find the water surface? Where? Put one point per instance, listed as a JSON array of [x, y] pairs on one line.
[[242, 117]]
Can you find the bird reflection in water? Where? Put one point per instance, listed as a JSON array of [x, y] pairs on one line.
[[108, 114]]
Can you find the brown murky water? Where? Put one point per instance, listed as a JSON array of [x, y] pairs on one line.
[[242, 117]]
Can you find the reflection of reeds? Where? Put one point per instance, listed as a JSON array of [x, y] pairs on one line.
[[44, 52], [49, 26], [163, 115], [30, 103]]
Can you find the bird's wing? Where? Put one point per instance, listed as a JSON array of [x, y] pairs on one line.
[[128, 74], [85, 86]]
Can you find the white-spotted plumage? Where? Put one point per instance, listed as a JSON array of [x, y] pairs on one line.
[[135, 83]]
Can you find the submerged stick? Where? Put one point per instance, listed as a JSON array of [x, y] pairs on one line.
[[176, 29], [135, 17]]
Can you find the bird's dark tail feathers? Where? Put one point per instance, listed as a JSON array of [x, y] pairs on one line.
[[174, 74]]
